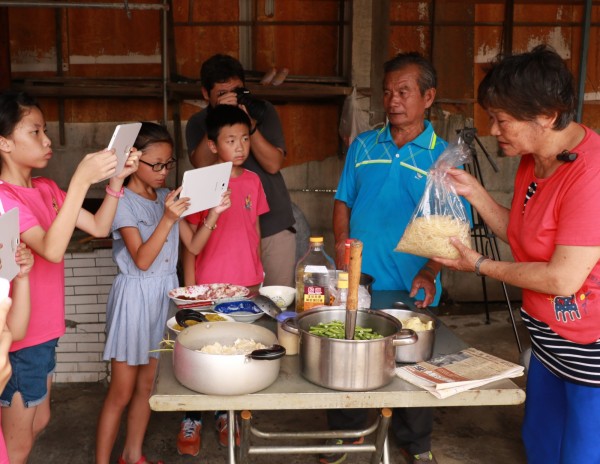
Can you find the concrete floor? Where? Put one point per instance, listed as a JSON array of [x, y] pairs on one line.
[[474, 435]]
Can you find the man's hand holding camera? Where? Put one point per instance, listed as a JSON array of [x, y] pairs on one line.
[[242, 97], [227, 97]]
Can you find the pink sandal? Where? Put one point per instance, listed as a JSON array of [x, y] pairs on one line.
[[141, 460]]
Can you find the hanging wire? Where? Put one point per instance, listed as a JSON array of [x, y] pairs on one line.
[[127, 10]]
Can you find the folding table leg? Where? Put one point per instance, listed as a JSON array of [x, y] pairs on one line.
[[382, 431], [231, 436], [246, 417]]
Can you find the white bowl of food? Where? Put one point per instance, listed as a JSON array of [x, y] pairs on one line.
[[240, 311], [281, 295]]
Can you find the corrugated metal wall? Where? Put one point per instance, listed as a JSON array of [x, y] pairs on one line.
[[310, 37]]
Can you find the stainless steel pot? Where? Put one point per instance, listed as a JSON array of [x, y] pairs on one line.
[[349, 365], [221, 374], [423, 348]]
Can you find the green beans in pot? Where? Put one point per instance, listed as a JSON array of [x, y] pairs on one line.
[[336, 329]]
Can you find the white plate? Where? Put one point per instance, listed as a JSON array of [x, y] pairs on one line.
[[172, 323], [206, 293]]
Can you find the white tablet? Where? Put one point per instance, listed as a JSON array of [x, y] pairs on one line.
[[204, 186], [9, 241], [122, 141], [4, 288]]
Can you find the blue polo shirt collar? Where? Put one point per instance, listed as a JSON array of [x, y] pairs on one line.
[[425, 139]]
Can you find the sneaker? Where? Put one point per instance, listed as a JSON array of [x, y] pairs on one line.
[[188, 439], [222, 426], [427, 456], [337, 458]]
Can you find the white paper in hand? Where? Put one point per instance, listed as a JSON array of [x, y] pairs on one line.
[[9, 241], [204, 186], [122, 141]]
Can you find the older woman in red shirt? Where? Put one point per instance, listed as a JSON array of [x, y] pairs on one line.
[[553, 229]]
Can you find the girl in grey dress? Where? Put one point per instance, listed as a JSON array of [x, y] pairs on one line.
[[146, 233]]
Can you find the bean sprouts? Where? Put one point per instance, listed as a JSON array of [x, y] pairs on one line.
[[429, 236]]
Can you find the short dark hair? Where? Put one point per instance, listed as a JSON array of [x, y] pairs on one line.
[[151, 133], [530, 84], [224, 115], [220, 68], [427, 73], [13, 107]]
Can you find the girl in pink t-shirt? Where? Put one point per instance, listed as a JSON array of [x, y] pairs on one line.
[[14, 317], [47, 218]]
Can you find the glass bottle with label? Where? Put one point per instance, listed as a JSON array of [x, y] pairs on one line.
[[312, 277]]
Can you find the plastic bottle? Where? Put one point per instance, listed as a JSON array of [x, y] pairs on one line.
[[346, 264], [312, 277], [342, 290]]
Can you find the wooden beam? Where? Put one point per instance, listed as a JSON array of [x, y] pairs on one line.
[[82, 88], [4, 50], [380, 38]]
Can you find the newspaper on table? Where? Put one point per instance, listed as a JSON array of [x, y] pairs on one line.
[[450, 374]]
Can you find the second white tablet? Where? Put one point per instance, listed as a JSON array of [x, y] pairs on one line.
[[204, 186]]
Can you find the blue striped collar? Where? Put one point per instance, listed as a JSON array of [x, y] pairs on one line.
[[426, 139]]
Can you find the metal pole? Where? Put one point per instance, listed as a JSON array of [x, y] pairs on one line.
[[231, 436], [382, 433], [585, 42], [246, 417], [509, 18], [164, 57]]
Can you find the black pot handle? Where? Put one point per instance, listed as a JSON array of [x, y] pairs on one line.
[[189, 315], [268, 354]]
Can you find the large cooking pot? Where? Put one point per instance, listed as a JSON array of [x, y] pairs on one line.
[[423, 348], [349, 365], [222, 374]]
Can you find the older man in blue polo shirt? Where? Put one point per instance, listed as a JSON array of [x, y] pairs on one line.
[[375, 199]]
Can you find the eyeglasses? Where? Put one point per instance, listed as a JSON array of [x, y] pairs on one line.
[[157, 167]]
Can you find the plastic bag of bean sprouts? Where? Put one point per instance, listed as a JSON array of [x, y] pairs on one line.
[[440, 213]]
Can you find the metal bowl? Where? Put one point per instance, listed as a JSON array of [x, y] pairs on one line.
[[422, 350]]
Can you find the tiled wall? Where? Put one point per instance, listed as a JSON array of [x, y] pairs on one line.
[[88, 278]]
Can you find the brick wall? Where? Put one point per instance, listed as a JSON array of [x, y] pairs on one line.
[[88, 278]]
